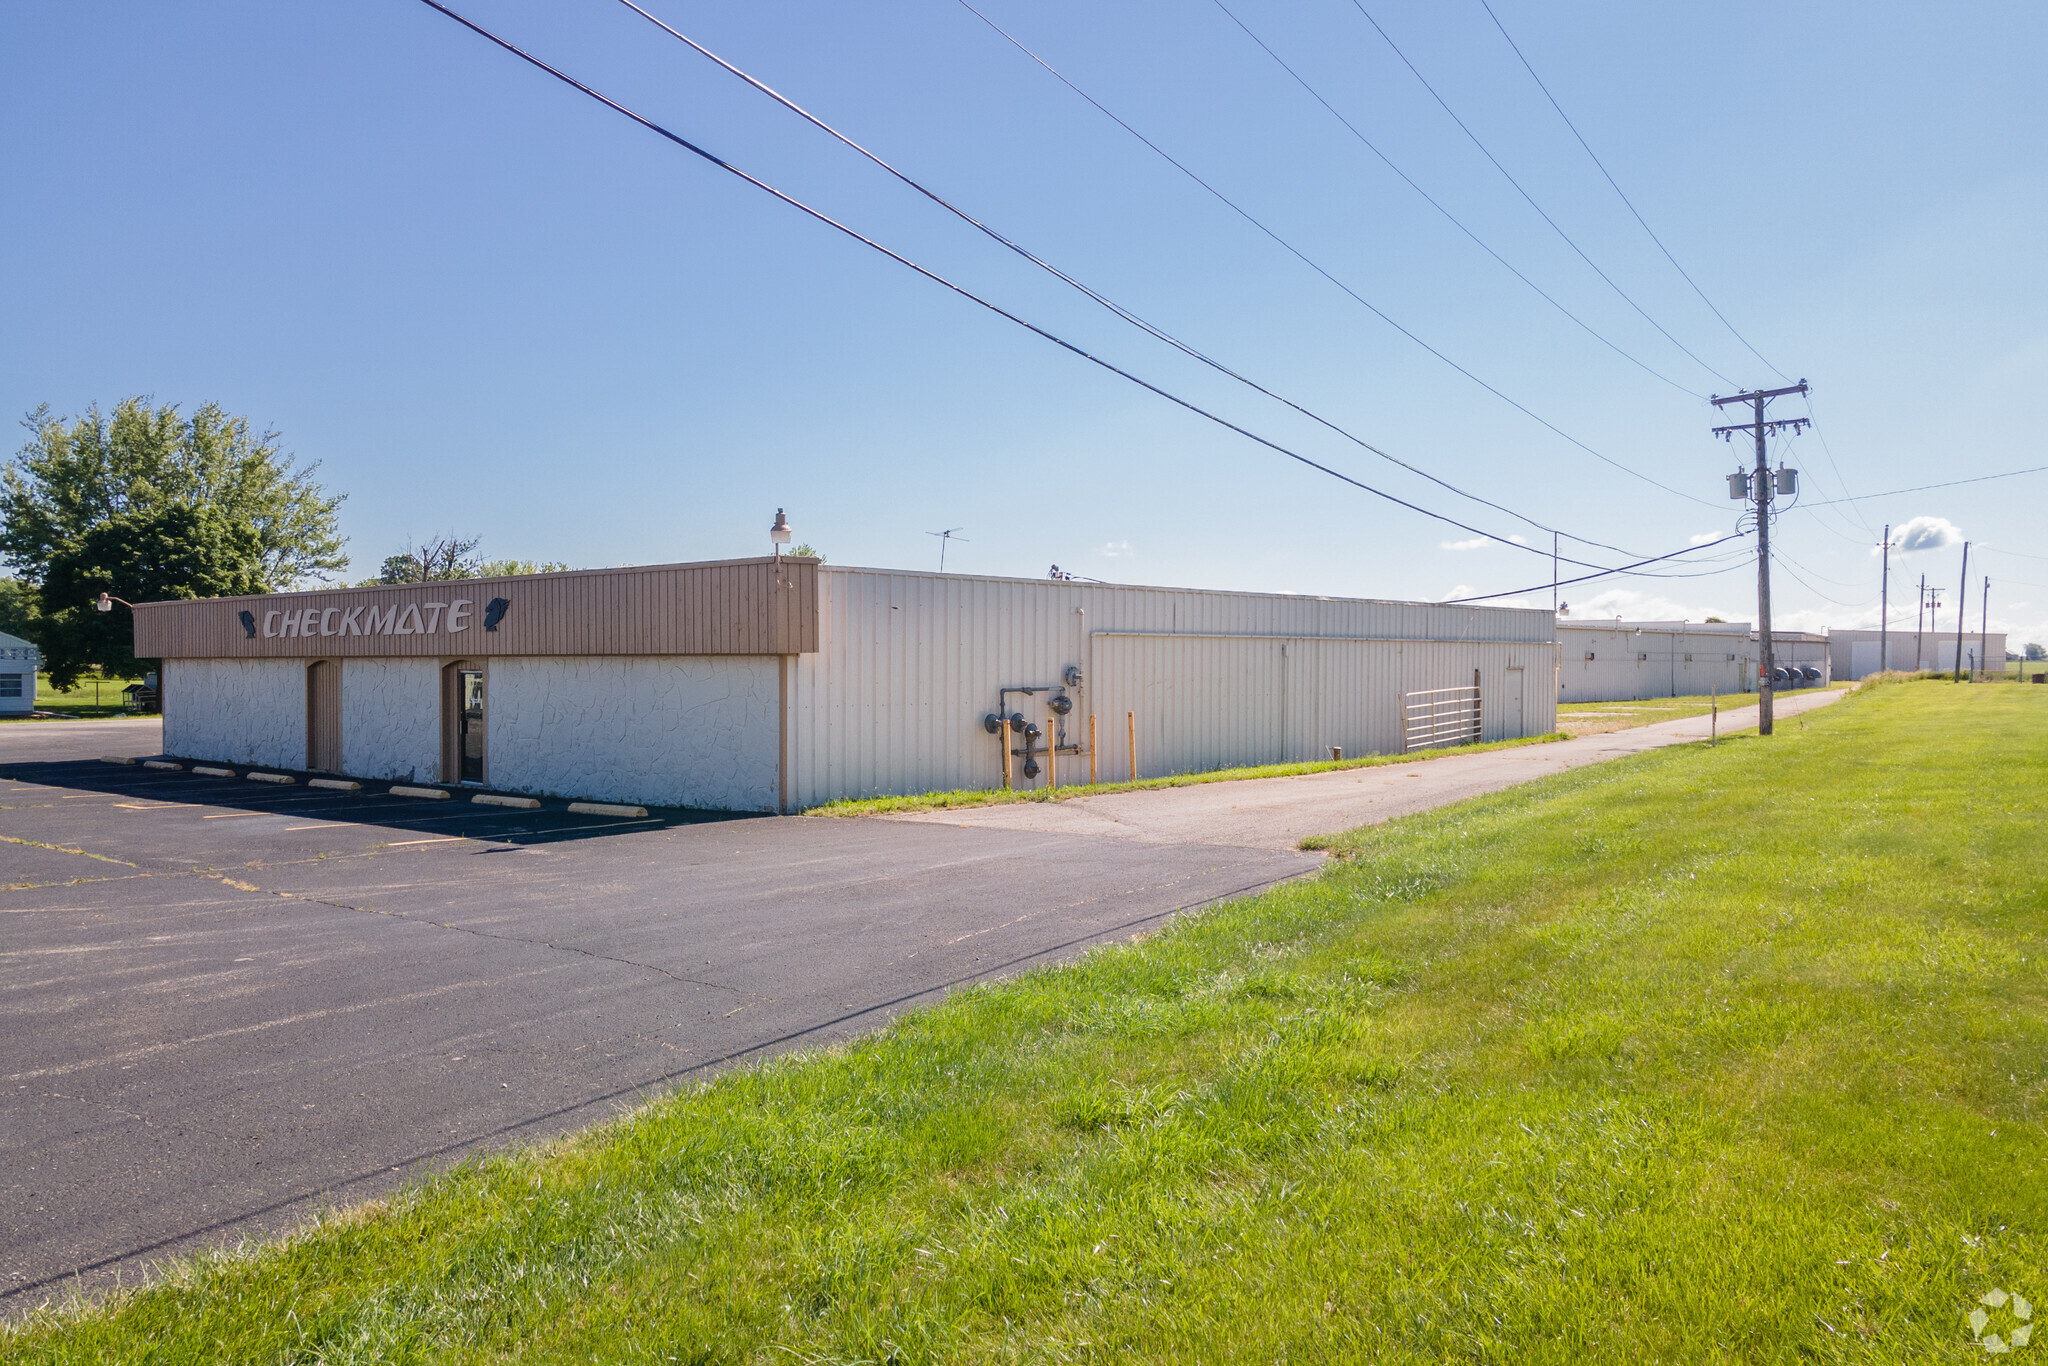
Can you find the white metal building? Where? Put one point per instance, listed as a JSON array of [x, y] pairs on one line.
[[1625, 661], [778, 684], [19, 662], [1804, 650], [1855, 654]]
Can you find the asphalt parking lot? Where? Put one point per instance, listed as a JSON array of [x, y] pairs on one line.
[[227, 1003]]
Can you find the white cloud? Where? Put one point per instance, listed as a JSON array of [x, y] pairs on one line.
[[1706, 536], [1518, 540], [1632, 604], [1472, 544], [1115, 550], [1924, 533]]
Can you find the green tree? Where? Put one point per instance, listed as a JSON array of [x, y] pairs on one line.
[[505, 569], [450, 557], [444, 557], [77, 474], [172, 550], [19, 614]]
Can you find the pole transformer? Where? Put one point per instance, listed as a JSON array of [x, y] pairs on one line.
[[1760, 489]]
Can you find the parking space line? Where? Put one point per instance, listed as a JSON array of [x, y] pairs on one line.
[[324, 825]]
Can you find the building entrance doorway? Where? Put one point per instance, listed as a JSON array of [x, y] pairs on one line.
[[323, 716], [469, 724]]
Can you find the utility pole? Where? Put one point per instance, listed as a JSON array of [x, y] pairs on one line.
[[1919, 623], [1962, 611], [1760, 489], [1884, 605], [1983, 632]]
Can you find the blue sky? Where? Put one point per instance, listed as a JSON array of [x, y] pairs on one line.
[[486, 304]]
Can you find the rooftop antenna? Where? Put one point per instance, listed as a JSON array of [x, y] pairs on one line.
[[945, 536]]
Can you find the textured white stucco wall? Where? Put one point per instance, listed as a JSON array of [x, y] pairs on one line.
[[391, 719], [240, 711], [672, 730]]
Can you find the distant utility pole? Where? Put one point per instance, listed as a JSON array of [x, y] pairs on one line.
[[1919, 623], [1983, 632], [1884, 605], [1962, 611], [1933, 625], [1758, 486]]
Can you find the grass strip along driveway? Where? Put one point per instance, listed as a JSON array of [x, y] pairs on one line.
[[1003, 796], [1730, 1053], [1604, 718]]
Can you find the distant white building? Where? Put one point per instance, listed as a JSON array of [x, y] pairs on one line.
[[1856, 653], [1625, 661], [1806, 651], [19, 662], [1632, 661]]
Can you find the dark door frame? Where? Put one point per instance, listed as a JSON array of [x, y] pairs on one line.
[[451, 717], [323, 715]]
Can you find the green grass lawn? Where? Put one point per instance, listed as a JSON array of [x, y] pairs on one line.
[[1729, 1054], [983, 796], [1600, 718], [84, 699]]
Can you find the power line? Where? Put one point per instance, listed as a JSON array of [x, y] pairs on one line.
[[1624, 197], [1360, 7], [1786, 565], [1584, 578], [1922, 488], [960, 290], [1832, 464], [1303, 257], [1791, 564], [1110, 304], [1372, 147]]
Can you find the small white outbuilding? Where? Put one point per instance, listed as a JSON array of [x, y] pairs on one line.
[[19, 663]]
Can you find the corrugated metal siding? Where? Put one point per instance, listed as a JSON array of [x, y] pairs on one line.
[[735, 607], [908, 664], [1618, 672]]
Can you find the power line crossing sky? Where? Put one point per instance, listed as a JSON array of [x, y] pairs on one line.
[[487, 305]]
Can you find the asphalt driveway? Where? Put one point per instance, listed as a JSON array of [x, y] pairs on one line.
[[225, 1003]]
